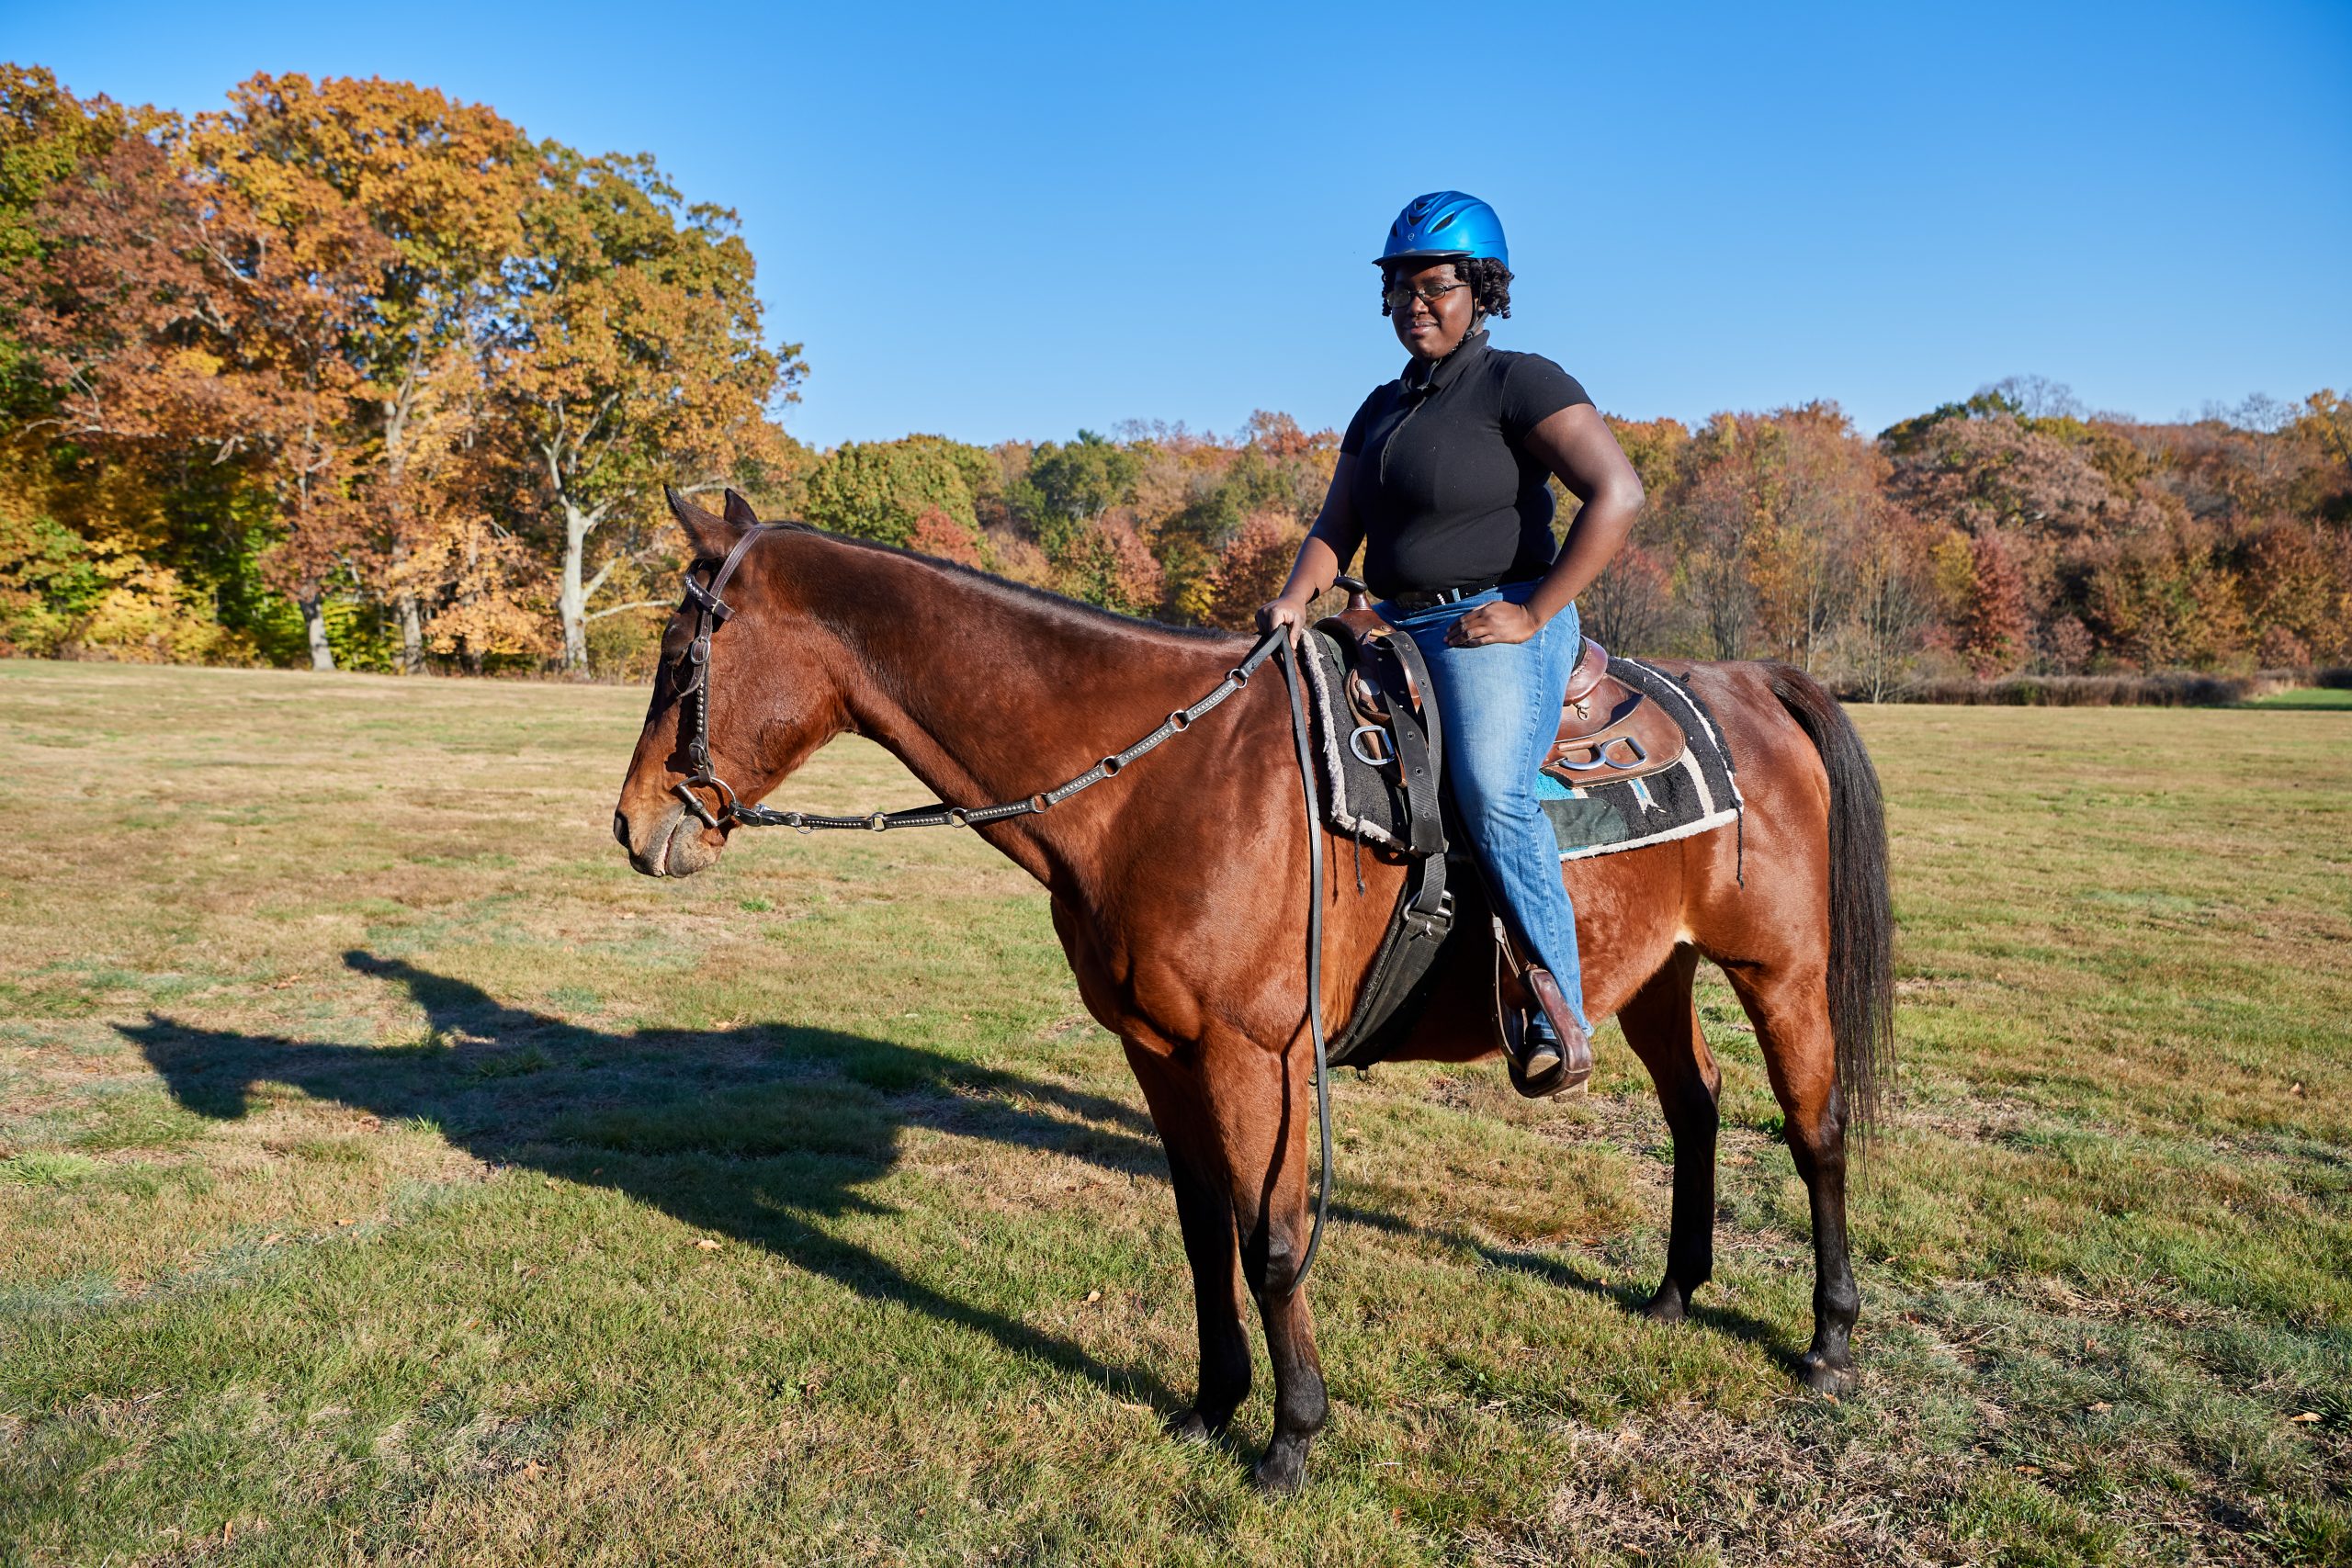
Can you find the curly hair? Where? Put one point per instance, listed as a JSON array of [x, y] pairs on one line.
[[1490, 283]]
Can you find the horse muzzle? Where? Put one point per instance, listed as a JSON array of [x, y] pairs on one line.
[[672, 844]]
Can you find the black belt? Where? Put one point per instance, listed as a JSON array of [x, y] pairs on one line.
[[1430, 598]]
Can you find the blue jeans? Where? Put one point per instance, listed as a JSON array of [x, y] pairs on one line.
[[1500, 706]]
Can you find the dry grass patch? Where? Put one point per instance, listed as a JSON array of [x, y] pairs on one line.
[[386, 1174]]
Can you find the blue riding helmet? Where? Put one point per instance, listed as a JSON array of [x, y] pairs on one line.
[[1445, 225]]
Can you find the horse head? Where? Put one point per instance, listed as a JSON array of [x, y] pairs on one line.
[[752, 674]]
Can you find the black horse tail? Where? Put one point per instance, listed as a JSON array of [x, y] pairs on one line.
[[1861, 912]]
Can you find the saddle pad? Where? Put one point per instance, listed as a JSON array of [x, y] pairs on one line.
[[1360, 799], [1697, 795]]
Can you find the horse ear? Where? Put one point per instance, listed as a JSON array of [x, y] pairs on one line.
[[711, 536], [740, 512]]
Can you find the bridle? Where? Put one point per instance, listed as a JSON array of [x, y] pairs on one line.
[[711, 611]]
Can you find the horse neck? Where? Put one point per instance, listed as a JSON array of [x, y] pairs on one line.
[[987, 694]]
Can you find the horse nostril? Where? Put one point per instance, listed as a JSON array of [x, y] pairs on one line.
[[621, 828]]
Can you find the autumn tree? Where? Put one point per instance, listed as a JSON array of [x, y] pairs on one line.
[[304, 267], [1992, 623], [175, 305], [1630, 607], [635, 356], [1892, 605], [443, 183], [1252, 567], [46, 135]]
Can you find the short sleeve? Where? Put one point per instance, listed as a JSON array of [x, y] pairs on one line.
[[1533, 390], [1352, 442]]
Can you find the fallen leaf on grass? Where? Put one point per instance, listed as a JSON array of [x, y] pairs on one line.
[[2307, 1418], [273, 1238], [2100, 1407], [2026, 1469], [706, 1244], [1093, 1296]]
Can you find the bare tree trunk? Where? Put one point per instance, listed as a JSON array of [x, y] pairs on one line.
[[314, 622], [405, 606], [411, 631], [572, 596], [396, 417]]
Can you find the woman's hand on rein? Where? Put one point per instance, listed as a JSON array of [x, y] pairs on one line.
[[1290, 613], [1501, 621]]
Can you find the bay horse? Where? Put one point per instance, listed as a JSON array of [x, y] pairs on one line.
[[1179, 892]]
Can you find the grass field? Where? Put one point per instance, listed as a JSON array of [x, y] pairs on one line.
[[390, 1175]]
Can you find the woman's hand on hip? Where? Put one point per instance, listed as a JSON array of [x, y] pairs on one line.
[[1501, 621]]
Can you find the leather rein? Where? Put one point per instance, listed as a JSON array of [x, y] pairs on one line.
[[712, 611]]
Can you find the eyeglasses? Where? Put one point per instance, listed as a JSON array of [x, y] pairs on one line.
[[1400, 297]]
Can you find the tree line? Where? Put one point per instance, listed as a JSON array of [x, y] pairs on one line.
[[354, 375]]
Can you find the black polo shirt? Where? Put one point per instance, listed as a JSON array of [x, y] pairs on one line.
[[1443, 490]]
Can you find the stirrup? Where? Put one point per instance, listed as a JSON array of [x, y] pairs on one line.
[[1574, 1068]]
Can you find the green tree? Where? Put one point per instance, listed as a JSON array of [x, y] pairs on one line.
[[883, 490], [1071, 486]]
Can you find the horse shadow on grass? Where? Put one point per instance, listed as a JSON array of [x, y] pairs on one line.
[[760, 1132]]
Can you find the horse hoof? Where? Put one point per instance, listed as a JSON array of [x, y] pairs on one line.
[[1282, 1470], [1823, 1376], [1666, 1307], [1191, 1427]]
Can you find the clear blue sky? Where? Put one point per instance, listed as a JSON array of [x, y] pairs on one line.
[[997, 221]]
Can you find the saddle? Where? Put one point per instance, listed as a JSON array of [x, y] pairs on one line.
[[1610, 732], [1607, 732]]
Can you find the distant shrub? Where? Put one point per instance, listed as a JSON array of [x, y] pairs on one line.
[[2335, 677], [2167, 689]]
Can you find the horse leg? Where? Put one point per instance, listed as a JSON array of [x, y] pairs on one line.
[[1661, 1023], [1265, 1130], [1791, 1011], [1205, 1218]]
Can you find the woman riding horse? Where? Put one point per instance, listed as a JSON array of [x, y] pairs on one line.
[[1442, 477], [1176, 885]]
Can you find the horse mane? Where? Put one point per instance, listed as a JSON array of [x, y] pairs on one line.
[[1061, 611]]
